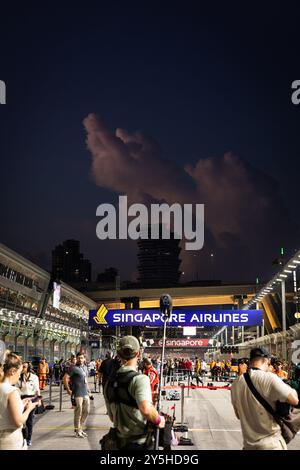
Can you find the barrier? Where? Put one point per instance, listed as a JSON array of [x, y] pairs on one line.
[[60, 395], [182, 427], [50, 406], [182, 404]]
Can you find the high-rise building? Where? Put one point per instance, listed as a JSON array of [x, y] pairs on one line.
[[69, 265], [159, 262], [109, 275]]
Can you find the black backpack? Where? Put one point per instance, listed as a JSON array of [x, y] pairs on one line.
[[116, 388]]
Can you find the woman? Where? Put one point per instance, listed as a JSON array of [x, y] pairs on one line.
[[29, 387], [14, 412]]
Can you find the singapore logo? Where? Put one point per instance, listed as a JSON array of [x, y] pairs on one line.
[[2, 92], [187, 223]]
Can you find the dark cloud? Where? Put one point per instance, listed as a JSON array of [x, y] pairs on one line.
[[244, 214]]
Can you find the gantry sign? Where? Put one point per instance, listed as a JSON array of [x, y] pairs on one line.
[[191, 317]]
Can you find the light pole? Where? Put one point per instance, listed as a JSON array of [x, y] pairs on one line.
[[283, 303], [257, 327], [212, 266], [296, 295]]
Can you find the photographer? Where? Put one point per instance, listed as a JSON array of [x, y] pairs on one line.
[[260, 429], [129, 401]]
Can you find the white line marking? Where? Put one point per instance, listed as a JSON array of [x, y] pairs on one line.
[[214, 430]]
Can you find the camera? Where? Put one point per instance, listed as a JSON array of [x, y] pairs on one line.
[[165, 305]]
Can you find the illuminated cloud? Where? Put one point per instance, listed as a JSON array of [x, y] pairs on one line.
[[245, 218]]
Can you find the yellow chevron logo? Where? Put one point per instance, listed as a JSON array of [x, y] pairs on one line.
[[100, 315]]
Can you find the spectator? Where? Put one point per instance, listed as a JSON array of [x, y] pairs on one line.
[[69, 365], [92, 368], [14, 412], [43, 372], [189, 368], [108, 367], [56, 371], [278, 370], [242, 367], [203, 367], [81, 392], [29, 388], [152, 373], [197, 372]]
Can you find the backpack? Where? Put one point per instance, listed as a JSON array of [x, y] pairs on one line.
[[116, 388]]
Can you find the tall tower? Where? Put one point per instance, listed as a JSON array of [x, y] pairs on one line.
[[158, 261], [69, 265]]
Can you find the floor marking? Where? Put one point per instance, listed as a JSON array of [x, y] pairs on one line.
[[105, 428], [204, 399], [62, 428], [213, 430]]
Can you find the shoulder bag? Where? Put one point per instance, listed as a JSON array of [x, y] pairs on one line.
[[289, 424]]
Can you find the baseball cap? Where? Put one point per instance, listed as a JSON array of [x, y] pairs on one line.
[[128, 347], [259, 352]]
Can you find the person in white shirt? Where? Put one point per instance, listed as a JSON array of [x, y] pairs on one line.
[[29, 388], [259, 428], [203, 367], [14, 412]]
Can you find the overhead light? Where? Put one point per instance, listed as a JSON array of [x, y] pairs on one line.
[[296, 261], [282, 275], [287, 271], [278, 279], [292, 266]]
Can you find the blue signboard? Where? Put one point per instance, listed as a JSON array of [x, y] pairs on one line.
[[191, 317]]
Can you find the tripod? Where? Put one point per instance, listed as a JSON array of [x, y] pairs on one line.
[[166, 308]]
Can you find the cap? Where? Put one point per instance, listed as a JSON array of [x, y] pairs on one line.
[[259, 352], [128, 347]]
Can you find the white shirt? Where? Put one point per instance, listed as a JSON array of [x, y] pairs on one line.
[[5, 418], [257, 424], [30, 386]]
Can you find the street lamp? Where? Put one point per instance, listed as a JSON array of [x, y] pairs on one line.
[[212, 265]]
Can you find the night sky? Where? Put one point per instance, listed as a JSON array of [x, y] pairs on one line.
[[211, 86]]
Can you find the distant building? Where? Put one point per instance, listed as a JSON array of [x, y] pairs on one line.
[[30, 324], [159, 262], [109, 275], [69, 265]]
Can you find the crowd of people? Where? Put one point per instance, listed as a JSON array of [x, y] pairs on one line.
[[130, 384]]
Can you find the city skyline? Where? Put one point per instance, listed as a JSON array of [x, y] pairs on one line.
[[209, 116]]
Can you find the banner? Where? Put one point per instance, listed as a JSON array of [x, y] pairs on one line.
[[183, 343], [191, 317], [56, 295]]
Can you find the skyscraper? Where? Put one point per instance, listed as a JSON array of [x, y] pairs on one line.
[[159, 262], [69, 265]]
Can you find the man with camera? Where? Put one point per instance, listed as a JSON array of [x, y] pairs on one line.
[[129, 401], [260, 429]]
